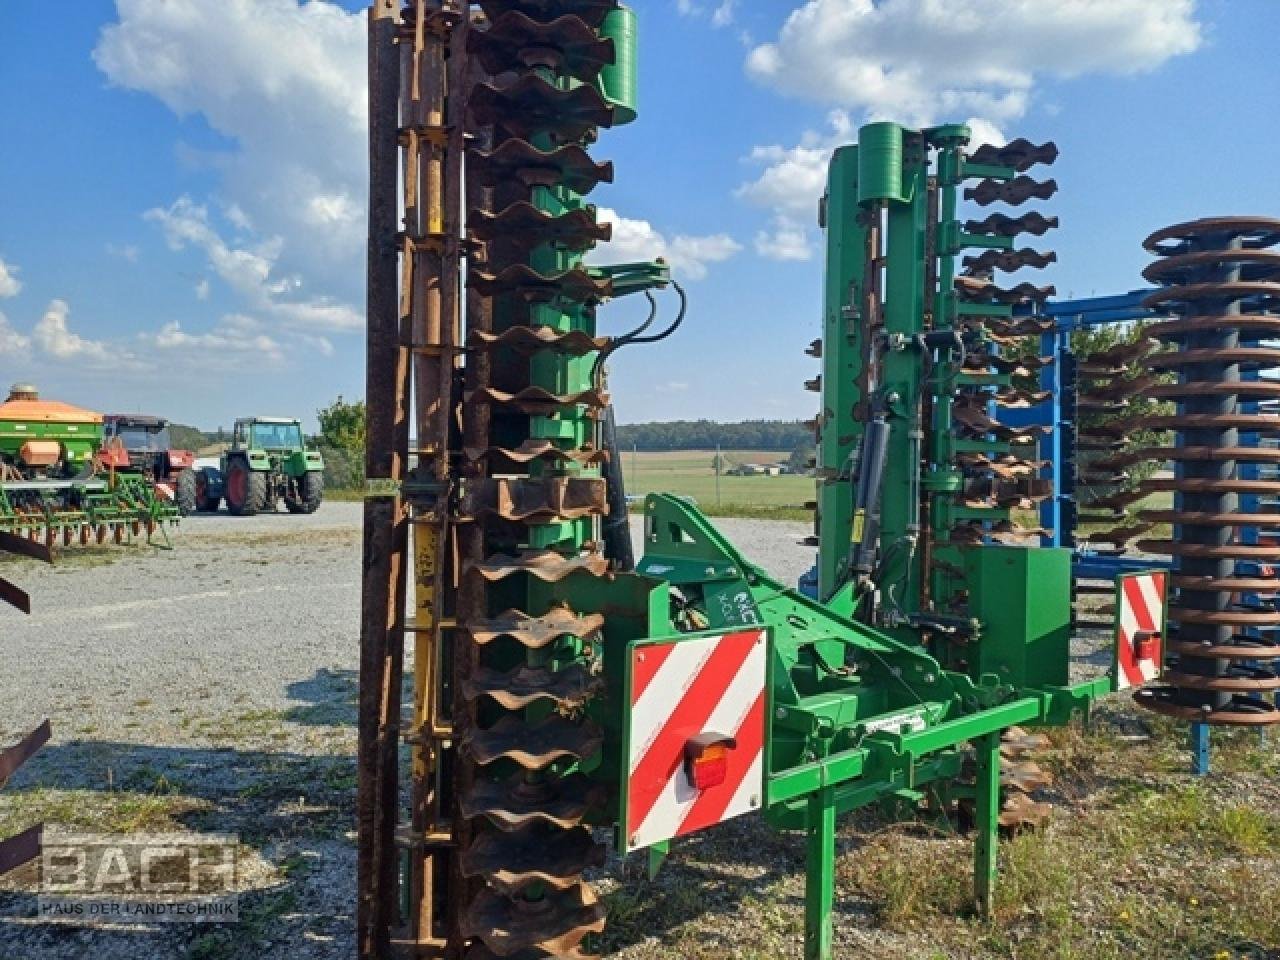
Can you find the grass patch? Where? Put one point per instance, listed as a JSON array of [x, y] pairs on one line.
[[747, 511], [96, 811], [258, 919], [690, 473]]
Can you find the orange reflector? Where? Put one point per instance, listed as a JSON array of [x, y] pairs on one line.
[[706, 759]]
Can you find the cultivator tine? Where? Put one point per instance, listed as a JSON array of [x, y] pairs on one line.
[[1008, 260], [1003, 225], [1003, 473], [25, 846], [21, 848], [974, 290], [1014, 192], [1020, 154], [11, 543], [1220, 284], [14, 757]]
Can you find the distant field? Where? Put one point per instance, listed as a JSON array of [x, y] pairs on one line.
[[690, 473]]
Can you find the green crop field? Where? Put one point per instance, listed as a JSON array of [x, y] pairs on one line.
[[690, 473]]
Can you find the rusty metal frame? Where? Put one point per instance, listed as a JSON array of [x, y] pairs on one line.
[[416, 59], [25, 846]]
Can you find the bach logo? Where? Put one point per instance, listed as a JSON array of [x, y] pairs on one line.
[[180, 878]]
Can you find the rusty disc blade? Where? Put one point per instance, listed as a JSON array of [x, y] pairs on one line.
[[533, 746], [556, 923], [1241, 712], [1226, 584], [1195, 519], [1255, 232], [519, 800], [540, 853], [1242, 648], [1196, 485], [1242, 356], [571, 687], [1187, 268], [1230, 551], [1239, 679], [1225, 618], [1169, 329]]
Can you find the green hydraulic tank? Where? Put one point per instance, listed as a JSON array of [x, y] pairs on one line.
[[618, 80], [880, 162]]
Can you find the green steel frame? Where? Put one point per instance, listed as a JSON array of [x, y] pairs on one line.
[[882, 707], [855, 716]]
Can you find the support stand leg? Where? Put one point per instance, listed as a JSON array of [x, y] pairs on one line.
[[657, 856], [820, 868], [988, 822], [1200, 749]]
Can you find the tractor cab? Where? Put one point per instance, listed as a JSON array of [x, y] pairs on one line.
[[267, 461], [277, 436], [141, 444]]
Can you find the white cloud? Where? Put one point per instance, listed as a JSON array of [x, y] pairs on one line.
[[202, 289], [919, 62], [721, 13], [784, 240], [689, 256], [913, 60], [238, 218], [53, 335], [234, 334], [125, 251], [12, 343], [286, 82], [250, 270], [790, 185], [10, 285]]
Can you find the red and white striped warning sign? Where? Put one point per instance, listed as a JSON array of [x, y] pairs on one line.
[[681, 691], [1139, 628]]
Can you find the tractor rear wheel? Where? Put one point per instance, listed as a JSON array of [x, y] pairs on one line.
[[310, 493], [206, 500], [246, 489], [186, 493]]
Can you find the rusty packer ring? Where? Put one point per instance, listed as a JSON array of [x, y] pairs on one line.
[[1219, 284]]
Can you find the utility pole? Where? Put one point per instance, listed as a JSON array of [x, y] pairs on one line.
[[718, 462]]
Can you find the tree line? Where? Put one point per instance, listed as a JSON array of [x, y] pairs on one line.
[[341, 438], [707, 434]]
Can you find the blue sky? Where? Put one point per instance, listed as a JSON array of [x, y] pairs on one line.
[[181, 183]]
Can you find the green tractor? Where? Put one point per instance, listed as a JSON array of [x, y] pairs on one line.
[[267, 462]]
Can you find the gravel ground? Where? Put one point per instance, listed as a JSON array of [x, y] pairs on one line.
[[212, 688]]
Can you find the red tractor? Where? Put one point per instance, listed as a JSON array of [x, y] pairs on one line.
[[145, 440]]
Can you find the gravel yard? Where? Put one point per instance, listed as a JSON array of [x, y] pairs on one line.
[[212, 688]]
